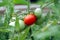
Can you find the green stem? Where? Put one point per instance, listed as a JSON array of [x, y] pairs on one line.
[[28, 6]]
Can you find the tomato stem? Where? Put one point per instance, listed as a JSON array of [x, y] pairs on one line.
[[31, 33], [28, 5]]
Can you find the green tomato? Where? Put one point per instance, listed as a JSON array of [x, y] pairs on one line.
[[22, 25], [37, 12]]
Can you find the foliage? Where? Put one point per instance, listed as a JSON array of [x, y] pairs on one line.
[[47, 26]]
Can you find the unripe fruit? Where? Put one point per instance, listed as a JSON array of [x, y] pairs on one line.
[[37, 12], [21, 24]]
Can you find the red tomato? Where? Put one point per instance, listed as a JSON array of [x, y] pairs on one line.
[[30, 19]]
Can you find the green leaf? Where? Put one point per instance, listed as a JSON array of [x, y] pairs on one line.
[[2, 4], [56, 2], [24, 34], [8, 13], [52, 31], [20, 1]]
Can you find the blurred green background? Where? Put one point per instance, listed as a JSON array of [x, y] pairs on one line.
[[20, 1]]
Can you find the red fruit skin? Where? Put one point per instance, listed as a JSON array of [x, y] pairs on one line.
[[30, 19]]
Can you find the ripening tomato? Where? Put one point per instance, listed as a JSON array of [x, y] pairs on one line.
[[30, 19]]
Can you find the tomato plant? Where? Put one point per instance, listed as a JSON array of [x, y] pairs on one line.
[[40, 24]]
